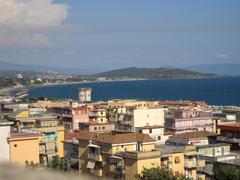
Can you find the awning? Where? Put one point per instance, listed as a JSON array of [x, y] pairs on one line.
[[90, 165], [191, 154], [93, 145], [116, 157], [121, 117]]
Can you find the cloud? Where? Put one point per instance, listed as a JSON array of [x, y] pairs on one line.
[[186, 56], [221, 56], [29, 22]]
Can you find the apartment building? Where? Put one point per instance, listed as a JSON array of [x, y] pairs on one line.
[[5, 129], [23, 147], [52, 136], [114, 155], [230, 133], [181, 160], [70, 116], [181, 121], [140, 119], [196, 138], [118, 103], [207, 148], [96, 127], [98, 115]]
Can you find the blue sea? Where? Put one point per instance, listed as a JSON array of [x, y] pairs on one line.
[[214, 91]]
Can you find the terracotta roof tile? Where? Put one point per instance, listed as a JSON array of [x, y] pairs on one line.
[[117, 138], [75, 134]]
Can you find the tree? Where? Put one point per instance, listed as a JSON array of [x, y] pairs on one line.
[[59, 164], [225, 172], [159, 173], [31, 165]]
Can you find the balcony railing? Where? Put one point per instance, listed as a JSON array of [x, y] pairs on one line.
[[228, 140], [190, 164], [95, 157]]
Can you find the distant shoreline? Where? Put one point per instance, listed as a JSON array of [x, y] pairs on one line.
[[20, 90], [13, 91]]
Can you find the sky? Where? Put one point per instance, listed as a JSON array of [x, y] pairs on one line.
[[98, 35]]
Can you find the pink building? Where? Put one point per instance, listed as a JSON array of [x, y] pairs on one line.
[[71, 116], [181, 121]]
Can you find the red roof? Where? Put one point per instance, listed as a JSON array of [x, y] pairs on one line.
[[24, 136], [152, 127], [75, 134], [117, 138], [230, 126]]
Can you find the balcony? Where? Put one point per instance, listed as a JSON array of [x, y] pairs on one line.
[[228, 140], [201, 163], [95, 157], [190, 164], [116, 164], [97, 172], [94, 152], [116, 168], [200, 176]]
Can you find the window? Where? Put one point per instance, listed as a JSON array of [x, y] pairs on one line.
[[177, 173], [140, 131], [103, 128], [15, 145], [177, 159], [159, 138], [95, 128], [150, 131]]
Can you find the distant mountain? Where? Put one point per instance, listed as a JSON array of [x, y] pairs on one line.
[[220, 69], [153, 73], [5, 66]]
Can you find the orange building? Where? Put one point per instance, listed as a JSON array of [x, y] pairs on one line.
[[23, 147]]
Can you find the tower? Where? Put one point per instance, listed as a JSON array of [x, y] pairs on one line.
[[85, 94]]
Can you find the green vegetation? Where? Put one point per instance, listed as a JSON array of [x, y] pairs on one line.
[[159, 173], [59, 164], [153, 73], [226, 172], [31, 165], [56, 164]]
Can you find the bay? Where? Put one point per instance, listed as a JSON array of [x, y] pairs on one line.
[[214, 91]]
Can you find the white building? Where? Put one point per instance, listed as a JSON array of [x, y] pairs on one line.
[[85, 94], [144, 120], [4, 134], [19, 76]]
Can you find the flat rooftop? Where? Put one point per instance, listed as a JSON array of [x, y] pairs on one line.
[[232, 162], [166, 149], [230, 126], [23, 136], [194, 135], [4, 122]]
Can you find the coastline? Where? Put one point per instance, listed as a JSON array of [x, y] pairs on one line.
[[23, 91], [14, 91]]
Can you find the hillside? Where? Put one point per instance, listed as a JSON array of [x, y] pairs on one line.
[[153, 73], [225, 69], [5, 66]]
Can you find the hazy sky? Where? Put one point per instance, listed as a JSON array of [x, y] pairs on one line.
[[108, 34]]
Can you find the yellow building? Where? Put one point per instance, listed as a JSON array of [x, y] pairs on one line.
[[23, 147], [182, 160], [116, 155], [51, 143], [118, 103], [126, 155], [45, 104]]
